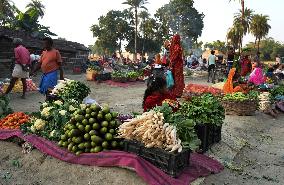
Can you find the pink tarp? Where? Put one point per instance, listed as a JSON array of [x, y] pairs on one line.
[[200, 165]]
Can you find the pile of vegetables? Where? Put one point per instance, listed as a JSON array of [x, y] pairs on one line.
[[205, 109], [119, 76], [151, 130], [197, 90], [51, 119], [71, 89], [185, 126], [90, 129], [4, 106], [14, 121], [239, 96], [132, 75], [277, 93]]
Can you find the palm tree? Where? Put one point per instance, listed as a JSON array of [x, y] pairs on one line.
[[135, 5], [36, 6], [235, 36], [244, 19], [243, 6], [260, 27]]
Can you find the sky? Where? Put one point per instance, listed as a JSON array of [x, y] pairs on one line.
[[72, 19]]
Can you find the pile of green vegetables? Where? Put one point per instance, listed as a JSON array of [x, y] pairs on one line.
[[185, 126], [74, 90], [132, 75], [205, 109], [239, 96], [277, 93], [119, 74], [4, 107]]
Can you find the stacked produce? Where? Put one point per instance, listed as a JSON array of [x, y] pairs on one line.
[[14, 121], [198, 90], [264, 101], [205, 109], [90, 129], [19, 86], [151, 130], [132, 75], [4, 106], [239, 96], [71, 90], [119, 76], [51, 119], [277, 93]]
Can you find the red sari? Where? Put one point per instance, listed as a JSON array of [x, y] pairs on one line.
[[156, 99], [176, 63]]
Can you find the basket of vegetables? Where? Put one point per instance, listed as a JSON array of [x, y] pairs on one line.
[[241, 104], [119, 76], [132, 76]]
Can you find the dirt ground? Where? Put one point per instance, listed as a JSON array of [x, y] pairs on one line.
[[251, 148]]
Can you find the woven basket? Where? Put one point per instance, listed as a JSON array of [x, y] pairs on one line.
[[244, 108]]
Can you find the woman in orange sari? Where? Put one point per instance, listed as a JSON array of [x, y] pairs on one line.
[[176, 65], [229, 86]]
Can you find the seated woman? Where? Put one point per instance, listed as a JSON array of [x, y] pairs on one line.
[[256, 77], [156, 93], [245, 66], [229, 87]]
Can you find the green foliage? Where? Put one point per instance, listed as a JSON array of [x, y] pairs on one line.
[[179, 16], [217, 45], [7, 13], [74, 90], [112, 29], [4, 107], [276, 92], [205, 109], [185, 126], [239, 96], [260, 26]]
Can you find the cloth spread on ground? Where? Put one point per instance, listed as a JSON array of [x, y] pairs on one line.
[[200, 165], [48, 80]]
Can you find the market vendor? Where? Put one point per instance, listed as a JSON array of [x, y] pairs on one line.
[[156, 93], [245, 66], [229, 87], [256, 77], [50, 63]]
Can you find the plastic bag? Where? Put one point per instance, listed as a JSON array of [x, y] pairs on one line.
[[170, 79], [89, 100]]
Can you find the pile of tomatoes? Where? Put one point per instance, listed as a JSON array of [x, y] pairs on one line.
[[201, 89], [14, 121]]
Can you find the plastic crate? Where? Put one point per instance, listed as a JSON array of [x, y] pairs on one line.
[[171, 163], [206, 135]]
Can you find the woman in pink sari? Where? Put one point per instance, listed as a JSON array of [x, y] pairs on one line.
[[257, 77]]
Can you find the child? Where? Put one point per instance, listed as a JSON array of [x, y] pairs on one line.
[[156, 93]]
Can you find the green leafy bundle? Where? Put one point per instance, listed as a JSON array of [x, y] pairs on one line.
[[185, 126], [205, 109], [74, 90], [239, 96], [4, 107], [276, 92]]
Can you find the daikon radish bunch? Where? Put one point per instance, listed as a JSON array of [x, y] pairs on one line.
[[150, 129], [264, 101]]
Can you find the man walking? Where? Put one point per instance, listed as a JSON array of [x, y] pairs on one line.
[[21, 69]]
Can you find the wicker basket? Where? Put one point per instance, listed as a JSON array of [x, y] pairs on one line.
[[244, 108]]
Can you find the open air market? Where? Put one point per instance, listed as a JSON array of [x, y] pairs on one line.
[[136, 92]]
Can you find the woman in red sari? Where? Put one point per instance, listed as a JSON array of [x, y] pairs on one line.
[[176, 65]]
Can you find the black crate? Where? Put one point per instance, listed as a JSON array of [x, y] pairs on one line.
[[217, 134], [171, 163], [206, 136]]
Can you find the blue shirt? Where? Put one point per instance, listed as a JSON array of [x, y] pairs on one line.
[[211, 59]]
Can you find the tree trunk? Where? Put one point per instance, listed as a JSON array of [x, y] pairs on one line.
[[136, 32], [255, 42], [258, 44], [243, 9]]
